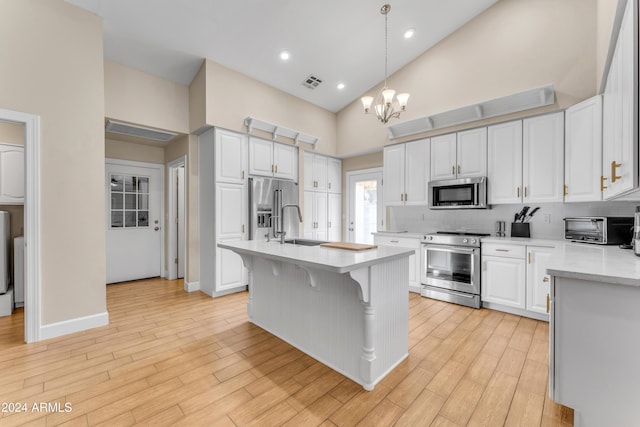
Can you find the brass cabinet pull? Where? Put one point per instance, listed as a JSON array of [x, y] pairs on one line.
[[405, 197], [402, 197], [518, 191], [548, 302], [602, 180], [458, 169], [276, 168], [614, 177], [329, 185], [453, 169], [565, 189], [502, 250], [525, 191], [545, 280], [394, 241], [242, 174], [243, 228], [529, 257], [271, 168]]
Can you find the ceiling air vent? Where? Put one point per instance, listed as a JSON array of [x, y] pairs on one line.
[[312, 82], [139, 131]]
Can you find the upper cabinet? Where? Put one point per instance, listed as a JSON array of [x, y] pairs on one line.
[[269, 158], [334, 175], [315, 172], [459, 155], [620, 113], [583, 151], [526, 160], [11, 174], [231, 156], [406, 173]]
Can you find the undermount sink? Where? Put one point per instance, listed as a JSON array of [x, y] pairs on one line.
[[305, 242]]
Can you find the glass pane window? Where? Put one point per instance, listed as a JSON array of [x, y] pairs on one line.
[[129, 201]]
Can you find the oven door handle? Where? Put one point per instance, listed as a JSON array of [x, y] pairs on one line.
[[470, 251]]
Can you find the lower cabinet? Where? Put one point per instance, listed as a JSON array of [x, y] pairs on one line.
[[414, 260], [334, 217], [315, 215], [514, 278]]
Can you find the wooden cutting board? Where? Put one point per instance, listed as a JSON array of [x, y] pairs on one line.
[[348, 246]]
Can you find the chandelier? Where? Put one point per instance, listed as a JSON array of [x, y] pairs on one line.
[[387, 104]]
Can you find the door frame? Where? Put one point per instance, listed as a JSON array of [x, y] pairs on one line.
[[348, 176], [172, 227], [160, 168], [32, 236]]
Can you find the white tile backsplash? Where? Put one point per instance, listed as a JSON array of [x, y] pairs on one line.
[[422, 219]]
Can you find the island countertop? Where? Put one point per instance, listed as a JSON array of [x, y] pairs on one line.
[[607, 264], [330, 259]]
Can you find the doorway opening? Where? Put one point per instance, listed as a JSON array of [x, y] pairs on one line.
[[176, 229], [364, 204]]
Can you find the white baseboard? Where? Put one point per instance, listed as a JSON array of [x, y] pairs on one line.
[[73, 325], [191, 286]]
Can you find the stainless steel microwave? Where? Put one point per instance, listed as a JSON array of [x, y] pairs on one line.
[[464, 193]]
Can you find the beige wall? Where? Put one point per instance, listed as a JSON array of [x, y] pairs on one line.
[[137, 97], [11, 133], [513, 46], [198, 100], [604, 26], [231, 97], [124, 150], [56, 72]]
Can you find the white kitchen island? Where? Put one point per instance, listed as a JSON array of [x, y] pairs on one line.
[[347, 309], [594, 360]]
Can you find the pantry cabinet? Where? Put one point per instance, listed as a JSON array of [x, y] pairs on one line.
[[273, 159], [11, 174], [315, 172], [231, 157], [406, 173], [526, 160], [322, 197], [583, 151], [459, 155], [334, 175]]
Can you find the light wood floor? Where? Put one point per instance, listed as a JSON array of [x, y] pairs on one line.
[[173, 358]]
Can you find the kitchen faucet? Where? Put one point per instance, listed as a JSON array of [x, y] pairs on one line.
[[282, 233]]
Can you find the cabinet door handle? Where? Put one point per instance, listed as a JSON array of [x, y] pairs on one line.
[[518, 191], [458, 169], [602, 180], [614, 166], [545, 280], [276, 168], [566, 189], [272, 169], [525, 191], [405, 197], [453, 169], [242, 174], [402, 197], [394, 241], [243, 228], [548, 302], [502, 250], [529, 256], [329, 185]]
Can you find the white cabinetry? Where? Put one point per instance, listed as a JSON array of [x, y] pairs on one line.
[[459, 155], [526, 160], [620, 113], [406, 173], [583, 151], [268, 158], [322, 197], [514, 278], [315, 215], [222, 209], [414, 260], [503, 275], [11, 174], [543, 158], [334, 175]]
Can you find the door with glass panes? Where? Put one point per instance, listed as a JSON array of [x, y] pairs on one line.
[[133, 220]]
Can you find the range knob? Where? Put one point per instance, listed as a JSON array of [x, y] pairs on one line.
[[473, 241], [465, 240], [429, 237]]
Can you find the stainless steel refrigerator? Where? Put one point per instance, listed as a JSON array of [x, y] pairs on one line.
[[266, 198]]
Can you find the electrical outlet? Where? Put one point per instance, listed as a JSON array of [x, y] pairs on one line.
[[547, 218]]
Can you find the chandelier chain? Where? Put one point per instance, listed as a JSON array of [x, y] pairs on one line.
[[386, 48]]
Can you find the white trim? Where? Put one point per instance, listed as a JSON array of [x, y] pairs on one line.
[[74, 325], [32, 284], [191, 286], [172, 270], [158, 167], [348, 176]]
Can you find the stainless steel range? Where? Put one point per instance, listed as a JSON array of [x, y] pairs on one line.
[[450, 267]]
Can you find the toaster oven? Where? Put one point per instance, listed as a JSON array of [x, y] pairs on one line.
[[601, 230]]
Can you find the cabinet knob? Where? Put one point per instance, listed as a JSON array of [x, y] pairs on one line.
[[545, 280]]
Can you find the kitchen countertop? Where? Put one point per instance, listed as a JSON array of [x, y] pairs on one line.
[[523, 241], [330, 259], [410, 234], [608, 264]]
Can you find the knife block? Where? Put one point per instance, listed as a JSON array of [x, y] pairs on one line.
[[520, 229]]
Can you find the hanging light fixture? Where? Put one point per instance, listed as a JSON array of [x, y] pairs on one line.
[[387, 104]]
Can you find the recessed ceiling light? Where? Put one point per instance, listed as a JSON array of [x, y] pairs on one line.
[[284, 55], [340, 86], [409, 33]]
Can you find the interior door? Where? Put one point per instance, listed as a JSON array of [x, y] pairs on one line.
[[364, 191], [133, 220]]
